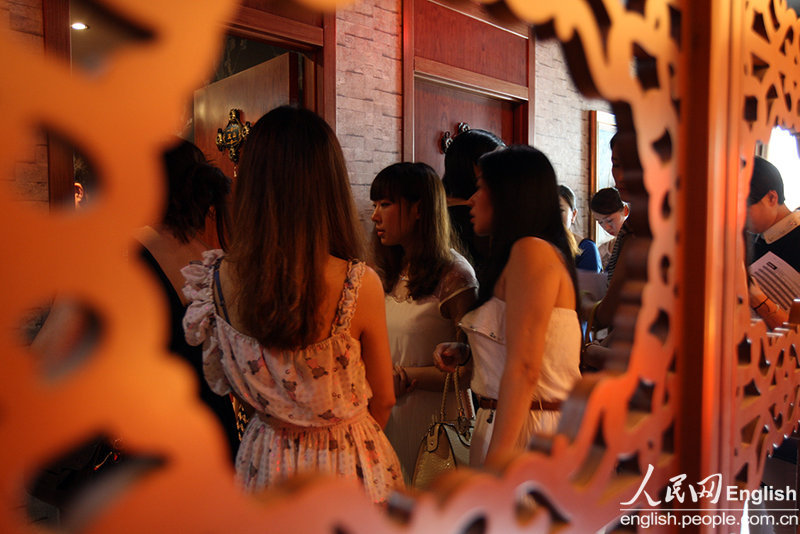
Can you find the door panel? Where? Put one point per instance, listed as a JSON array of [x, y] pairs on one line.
[[439, 108], [254, 91]]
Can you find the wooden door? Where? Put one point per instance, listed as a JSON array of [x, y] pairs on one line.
[[484, 80], [253, 91], [440, 108]]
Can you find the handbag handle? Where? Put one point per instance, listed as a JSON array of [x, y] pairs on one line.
[[456, 390]]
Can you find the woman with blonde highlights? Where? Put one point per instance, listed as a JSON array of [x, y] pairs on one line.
[[291, 321]]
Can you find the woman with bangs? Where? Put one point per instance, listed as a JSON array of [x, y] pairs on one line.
[[291, 320], [524, 334], [428, 288]]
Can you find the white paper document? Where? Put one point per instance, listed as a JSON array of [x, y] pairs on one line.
[[777, 279]]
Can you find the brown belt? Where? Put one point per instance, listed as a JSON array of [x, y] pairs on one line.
[[548, 406]]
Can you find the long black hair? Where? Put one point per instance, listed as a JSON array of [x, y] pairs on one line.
[[196, 190], [523, 192], [429, 253], [461, 157]]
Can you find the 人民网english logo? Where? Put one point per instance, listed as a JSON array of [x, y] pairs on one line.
[[708, 502]]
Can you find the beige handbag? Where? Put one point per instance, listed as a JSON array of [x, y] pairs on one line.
[[446, 444]]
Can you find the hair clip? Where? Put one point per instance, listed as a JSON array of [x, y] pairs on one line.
[[447, 139]]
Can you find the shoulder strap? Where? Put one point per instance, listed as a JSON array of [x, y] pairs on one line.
[[217, 290], [347, 302]]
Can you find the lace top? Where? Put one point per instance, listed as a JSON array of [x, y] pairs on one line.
[[457, 278], [415, 327]]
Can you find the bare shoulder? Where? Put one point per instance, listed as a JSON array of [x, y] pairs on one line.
[[371, 282], [335, 264], [533, 251], [370, 304]]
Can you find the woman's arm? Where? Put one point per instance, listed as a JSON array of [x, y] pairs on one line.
[[369, 325], [533, 276], [455, 307], [428, 377]]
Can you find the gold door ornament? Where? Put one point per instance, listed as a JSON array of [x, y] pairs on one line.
[[233, 136]]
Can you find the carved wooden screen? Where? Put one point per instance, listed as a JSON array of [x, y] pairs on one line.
[[765, 371], [692, 387]]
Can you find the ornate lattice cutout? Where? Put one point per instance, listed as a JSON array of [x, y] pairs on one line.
[[615, 423]]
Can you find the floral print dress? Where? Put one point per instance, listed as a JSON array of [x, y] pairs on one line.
[[311, 403]]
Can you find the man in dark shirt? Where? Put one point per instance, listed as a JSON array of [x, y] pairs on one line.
[[777, 228]]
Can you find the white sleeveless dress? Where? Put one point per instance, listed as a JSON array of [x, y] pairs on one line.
[[415, 327], [486, 329]]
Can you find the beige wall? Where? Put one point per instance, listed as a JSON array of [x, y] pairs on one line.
[[562, 125], [369, 103], [369, 86]]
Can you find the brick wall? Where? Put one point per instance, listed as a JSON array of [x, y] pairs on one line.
[[369, 82], [562, 125], [29, 181]]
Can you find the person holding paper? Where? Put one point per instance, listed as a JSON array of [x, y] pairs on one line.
[[777, 231], [777, 228]]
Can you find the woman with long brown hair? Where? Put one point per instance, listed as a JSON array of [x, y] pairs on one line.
[[428, 288], [292, 322]]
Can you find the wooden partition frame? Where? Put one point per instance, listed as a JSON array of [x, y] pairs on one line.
[[55, 19], [692, 387]]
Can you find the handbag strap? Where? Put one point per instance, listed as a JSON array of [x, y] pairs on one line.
[[444, 397], [217, 288], [461, 410]]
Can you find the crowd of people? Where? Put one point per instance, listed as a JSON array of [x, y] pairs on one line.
[[320, 354], [340, 351]]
